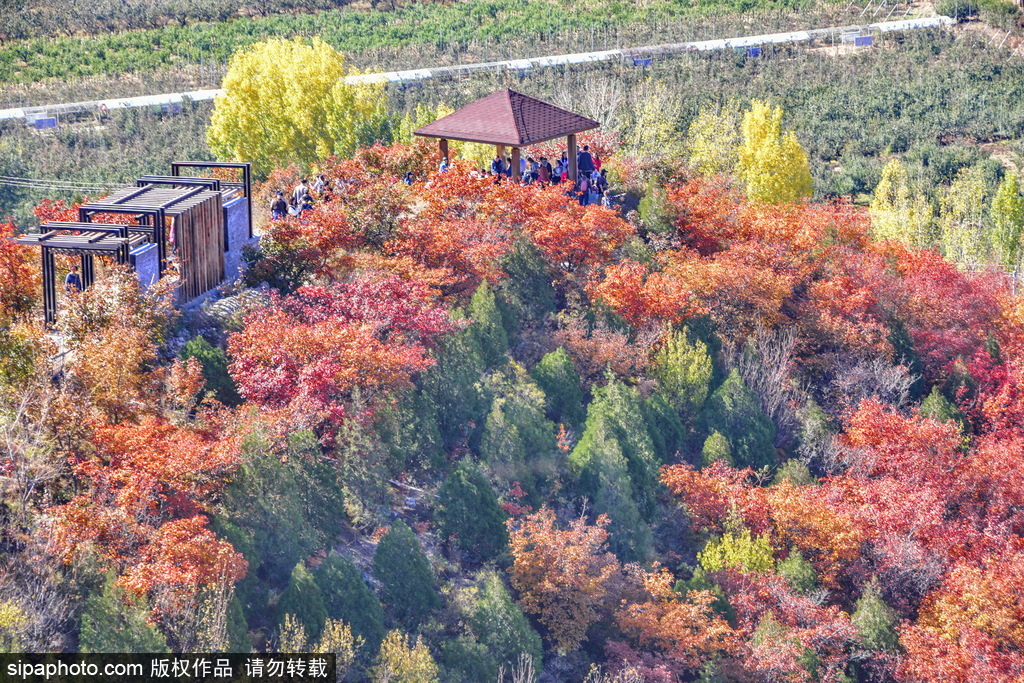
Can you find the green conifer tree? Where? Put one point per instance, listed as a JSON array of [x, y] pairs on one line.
[[215, 369], [488, 326], [875, 621], [303, 600], [452, 386], [468, 511], [348, 598], [114, 622], [560, 382], [716, 447], [407, 582], [734, 410], [500, 624], [798, 572]]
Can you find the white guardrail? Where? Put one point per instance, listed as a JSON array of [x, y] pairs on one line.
[[637, 53]]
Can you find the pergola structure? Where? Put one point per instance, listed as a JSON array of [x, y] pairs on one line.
[[84, 240], [510, 119], [187, 220]]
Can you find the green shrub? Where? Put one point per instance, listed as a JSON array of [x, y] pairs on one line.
[[215, 369]]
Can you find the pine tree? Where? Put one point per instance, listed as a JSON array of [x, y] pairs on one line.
[[238, 628], [519, 442], [114, 622], [772, 165], [560, 382], [716, 447], [215, 369], [452, 387], [615, 415], [938, 407], [501, 625], [667, 432], [683, 370], [303, 600], [734, 410], [468, 511], [1007, 214], [407, 582], [488, 326], [348, 598], [875, 621], [798, 572]]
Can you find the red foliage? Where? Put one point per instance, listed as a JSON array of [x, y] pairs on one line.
[[309, 351], [19, 276], [150, 487]]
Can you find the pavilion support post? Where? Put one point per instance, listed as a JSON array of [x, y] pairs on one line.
[[499, 151], [515, 163], [573, 171], [88, 274], [49, 287], [443, 146]]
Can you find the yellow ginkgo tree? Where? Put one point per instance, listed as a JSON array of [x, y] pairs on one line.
[[286, 101], [772, 164]]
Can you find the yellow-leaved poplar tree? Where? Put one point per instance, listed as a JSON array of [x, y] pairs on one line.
[[417, 118], [402, 661], [895, 214], [1007, 220], [286, 101], [713, 139], [962, 215], [772, 164], [655, 116]]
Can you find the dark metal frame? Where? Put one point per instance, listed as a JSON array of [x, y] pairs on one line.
[[104, 240], [245, 185]]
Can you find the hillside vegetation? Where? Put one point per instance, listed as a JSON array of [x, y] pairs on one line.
[[723, 439]]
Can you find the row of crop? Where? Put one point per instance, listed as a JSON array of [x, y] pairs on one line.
[[33, 60]]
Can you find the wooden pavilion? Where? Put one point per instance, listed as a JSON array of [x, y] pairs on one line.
[[510, 119]]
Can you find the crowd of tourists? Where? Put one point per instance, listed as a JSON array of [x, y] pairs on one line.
[[590, 187]]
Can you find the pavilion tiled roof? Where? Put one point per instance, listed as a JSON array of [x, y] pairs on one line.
[[510, 118]]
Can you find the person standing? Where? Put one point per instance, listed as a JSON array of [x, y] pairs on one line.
[[73, 282], [300, 190], [585, 162], [443, 168], [278, 207]]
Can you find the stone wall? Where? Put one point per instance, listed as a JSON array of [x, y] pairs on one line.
[[236, 236], [144, 260]]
